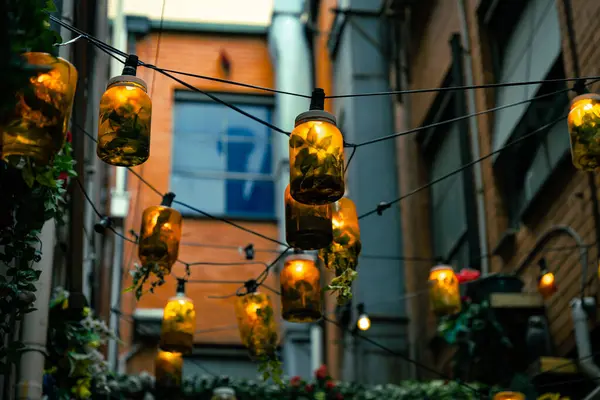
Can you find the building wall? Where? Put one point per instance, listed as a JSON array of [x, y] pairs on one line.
[[565, 201], [196, 53]]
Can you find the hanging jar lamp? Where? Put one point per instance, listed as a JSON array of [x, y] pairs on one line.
[[179, 322], [168, 368], [509, 396], [300, 289], [37, 128], [124, 122], [316, 155], [444, 291], [546, 281], [160, 235], [256, 323], [307, 227], [584, 131]]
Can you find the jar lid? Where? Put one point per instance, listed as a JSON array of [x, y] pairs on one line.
[[442, 267], [300, 256], [127, 78], [224, 391], [591, 96], [315, 115]]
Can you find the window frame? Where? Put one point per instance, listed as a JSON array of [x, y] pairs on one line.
[[243, 99]]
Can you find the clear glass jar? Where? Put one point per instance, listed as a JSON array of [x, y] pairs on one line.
[[168, 368], [223, 393], [38, 128], [159, 236], [178, 325], [256, 323], [307, 227], [316, 159], [300, 289], [124, 122], [584, 131], [444, 291]]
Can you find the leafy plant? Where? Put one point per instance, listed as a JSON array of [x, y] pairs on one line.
[[151, 273], [584, 134]]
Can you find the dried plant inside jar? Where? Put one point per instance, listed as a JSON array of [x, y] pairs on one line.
[[159, 236], [307, 227], [444, 291], [341, 256], [178, 325], [584, 131], [168, 369], [256, 323], [38, 127], [300, 289], [316, 159]]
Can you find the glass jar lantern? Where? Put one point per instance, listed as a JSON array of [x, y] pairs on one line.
[[300, 289], [38, 127], [160, 235], [509, 396], [547, 284], [124, 121], [316, 156], [256, 324], [444, 291], [179, 323], [307, 227], [223, 393], [168, 368], [584, 131]]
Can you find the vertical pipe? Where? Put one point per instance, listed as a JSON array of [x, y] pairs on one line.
[[316, 350], [35, 324], [115, 297], [474, 131]]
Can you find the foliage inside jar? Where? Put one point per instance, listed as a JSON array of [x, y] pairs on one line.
[[317, 157], [584, 129], [159, 237], [300, 290], [178, 326], [444, 291]]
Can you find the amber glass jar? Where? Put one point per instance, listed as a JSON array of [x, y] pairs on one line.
[[256, 323], [223, 393], [307, 227], [444, 291], [124, 122], [343, 252], [509, 396], [159, 236], [39, 124], [300, 289], [168, 369], [316, 159], [584, 131], [178, 324]]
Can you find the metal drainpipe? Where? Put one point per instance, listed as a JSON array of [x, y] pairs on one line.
[[474, 130]]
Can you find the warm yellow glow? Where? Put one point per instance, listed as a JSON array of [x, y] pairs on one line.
[[160, 234], [547, 279], [364, 322], [258, 330], [547, 285], [444, 291], [337, 223], [178, 325], [584, 131], [300, 289], [252, 310], [168, 368], [509, 396]]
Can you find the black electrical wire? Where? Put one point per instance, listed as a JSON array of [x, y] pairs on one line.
[[385, 205]]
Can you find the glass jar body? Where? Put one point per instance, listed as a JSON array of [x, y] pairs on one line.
[[39, 124], [159, 236], [307, 227], [168, 369], [124, 124], [444, 291], [178, 325], [300, 290], [346, 246], [316, 163], [256, 323], [584, 131]]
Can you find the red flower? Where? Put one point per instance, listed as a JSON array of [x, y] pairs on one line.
[[338, 396], [295, 381], [63, 176], [321, 373], [309, 388], [329, 385], [467, 275], [69, 137]]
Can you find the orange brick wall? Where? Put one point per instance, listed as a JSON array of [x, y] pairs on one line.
[[196, 53], [567, 202]]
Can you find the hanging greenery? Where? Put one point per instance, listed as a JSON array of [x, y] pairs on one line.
[[75, 367]]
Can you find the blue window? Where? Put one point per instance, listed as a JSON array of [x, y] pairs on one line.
[[222, 161]]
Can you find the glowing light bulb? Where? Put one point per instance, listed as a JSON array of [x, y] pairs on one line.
[[364, 322], [547, 279]]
